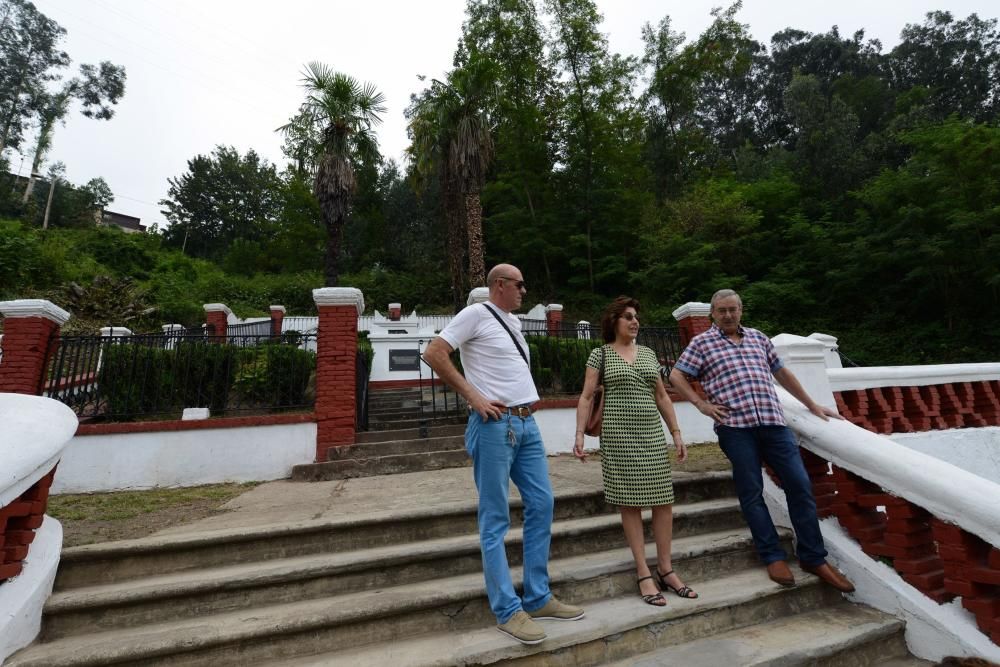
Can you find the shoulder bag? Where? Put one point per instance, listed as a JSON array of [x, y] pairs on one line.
[[596, 417]]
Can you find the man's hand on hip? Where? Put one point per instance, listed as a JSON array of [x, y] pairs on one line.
[[718, 413], [487, 409]]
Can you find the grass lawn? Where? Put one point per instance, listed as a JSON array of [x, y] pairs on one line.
[[702, 457], [123, 515]]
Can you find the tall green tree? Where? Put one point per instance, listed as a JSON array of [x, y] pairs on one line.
[[601, 182], [518, 201], [452, 137], [98, 89], [222, 197], [343, 112], [956, 63], [30, 58]]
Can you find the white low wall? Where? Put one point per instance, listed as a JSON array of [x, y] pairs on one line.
[[558, 427], [946, 491], [33, 435], [121, 461], [976, 450], [870, 377], [22, 598]]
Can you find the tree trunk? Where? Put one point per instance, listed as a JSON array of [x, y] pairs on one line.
[[334, 238], [334, 186], [35, 164], [456, 248], [48, 204], [474, 224]]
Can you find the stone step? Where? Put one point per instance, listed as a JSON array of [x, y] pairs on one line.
[[375, 424], [374, 622], [842, 634], [857, 636], [393, 447], [400, 413], [224, 589], [392, 464], [426, 431], [163, 554]]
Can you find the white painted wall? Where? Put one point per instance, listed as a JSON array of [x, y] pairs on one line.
[[33, 434], [183, 458], [558, 427], [869, 377], [976, 450]]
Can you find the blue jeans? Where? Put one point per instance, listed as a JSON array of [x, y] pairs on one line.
[[496, 461], [746, 448]]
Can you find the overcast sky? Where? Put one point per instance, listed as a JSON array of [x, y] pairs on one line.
[[208, 72]]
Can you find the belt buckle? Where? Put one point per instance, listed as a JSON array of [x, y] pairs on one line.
[[523, 411]]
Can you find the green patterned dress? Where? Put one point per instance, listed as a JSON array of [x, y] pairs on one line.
[[634, 460]]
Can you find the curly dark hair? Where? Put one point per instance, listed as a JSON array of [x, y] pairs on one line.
[[612, 313]]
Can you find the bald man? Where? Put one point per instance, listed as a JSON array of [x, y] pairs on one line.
[[504, 442]]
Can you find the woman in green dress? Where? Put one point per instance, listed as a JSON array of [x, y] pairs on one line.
[[634, 461]]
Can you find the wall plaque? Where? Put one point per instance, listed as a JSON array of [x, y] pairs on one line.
[[404, 360]]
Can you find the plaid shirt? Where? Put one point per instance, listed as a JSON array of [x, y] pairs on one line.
[[736, 376]]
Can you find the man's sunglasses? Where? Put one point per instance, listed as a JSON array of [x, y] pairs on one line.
[[519, 284]]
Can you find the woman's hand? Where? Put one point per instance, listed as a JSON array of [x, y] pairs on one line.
[[682, 450], [578, 448]]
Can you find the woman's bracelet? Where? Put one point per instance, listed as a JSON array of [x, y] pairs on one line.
[[674, 430]]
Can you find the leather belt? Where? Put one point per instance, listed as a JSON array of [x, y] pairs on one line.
[[521, 411]]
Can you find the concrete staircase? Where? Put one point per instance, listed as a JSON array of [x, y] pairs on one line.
[[411, 430], [404, 587]]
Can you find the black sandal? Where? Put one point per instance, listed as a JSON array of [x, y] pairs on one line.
[[685, 592], [657, 600]]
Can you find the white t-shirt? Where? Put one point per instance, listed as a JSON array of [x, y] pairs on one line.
[[491, 362]]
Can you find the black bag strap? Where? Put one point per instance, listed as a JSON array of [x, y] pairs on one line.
[[509, 333]]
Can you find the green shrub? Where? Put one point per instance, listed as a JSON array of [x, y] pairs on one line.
[[204, 373], [274, 374], [558, 364], [135, 380]]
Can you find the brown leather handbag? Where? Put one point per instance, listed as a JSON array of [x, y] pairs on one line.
[[593, 428]]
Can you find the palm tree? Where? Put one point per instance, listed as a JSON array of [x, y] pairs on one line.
[[339, 115], [451, 130], [428, 151]]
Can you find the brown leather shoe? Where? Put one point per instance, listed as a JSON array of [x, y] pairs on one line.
[[780, 574], [831, 576]]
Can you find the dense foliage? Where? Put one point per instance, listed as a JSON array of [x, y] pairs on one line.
[[839, 186]]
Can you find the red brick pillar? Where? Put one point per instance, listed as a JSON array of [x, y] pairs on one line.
[[336, 352], [693, 318], [277, 317], [30, 335], [395, 312], [217, 318], [553, 319], [18, 521]]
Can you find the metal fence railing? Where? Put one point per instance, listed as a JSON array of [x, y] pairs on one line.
[[258, 328], [559, 357], [126, 378], [437, 399], [362, 374]]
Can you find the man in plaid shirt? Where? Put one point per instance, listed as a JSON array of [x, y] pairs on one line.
[[735, 365]]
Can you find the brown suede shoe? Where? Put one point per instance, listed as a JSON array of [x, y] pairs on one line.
[[831, 576], [780, 574]]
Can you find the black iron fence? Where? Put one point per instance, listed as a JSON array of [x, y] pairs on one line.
[[363, 368], [437, 399], [124, 378], [559, 357]]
